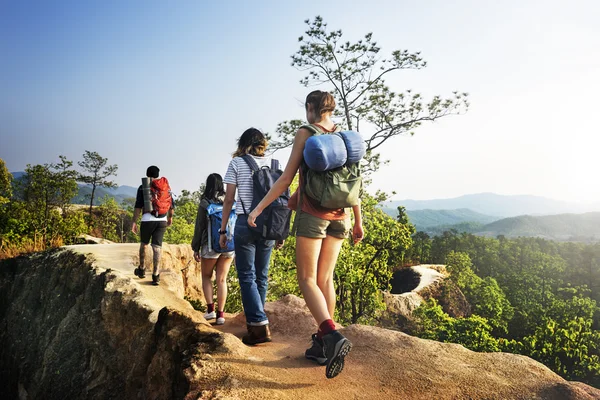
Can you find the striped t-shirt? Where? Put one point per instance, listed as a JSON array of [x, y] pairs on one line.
[[240, 174]]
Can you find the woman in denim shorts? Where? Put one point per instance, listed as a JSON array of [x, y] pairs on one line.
[[215, 194]]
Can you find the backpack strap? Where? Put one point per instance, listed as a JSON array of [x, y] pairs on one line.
[[254, 167], [251, 162], [313, 129], [275, 165]]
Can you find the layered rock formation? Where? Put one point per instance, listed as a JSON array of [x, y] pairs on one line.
[[81, 326], [413, 285]]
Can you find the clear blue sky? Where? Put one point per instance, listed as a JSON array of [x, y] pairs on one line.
[[175, 83]]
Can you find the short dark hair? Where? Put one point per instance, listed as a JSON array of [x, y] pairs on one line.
[[152, 171]]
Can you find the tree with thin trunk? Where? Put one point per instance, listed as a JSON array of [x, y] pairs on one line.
[[95, 172], [355, 73], [5, 183], [65, 178]]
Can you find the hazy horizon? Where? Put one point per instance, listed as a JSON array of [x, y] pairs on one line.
[[147, 83]]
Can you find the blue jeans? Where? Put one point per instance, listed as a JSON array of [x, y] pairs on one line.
[[252, 257]]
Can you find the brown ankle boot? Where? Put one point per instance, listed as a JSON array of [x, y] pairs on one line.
[[257, 334]]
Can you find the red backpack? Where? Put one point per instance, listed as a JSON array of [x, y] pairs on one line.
[[161, 197]]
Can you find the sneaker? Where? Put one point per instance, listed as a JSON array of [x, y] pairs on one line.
[[210, 315], [336, 347], [316, 353], [257, 334], [156, 280], [220, 321], [139, 273]]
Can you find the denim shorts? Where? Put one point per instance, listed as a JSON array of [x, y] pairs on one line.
[[207, 253]]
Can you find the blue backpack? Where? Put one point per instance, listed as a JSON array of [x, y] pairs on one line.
[[215, 217], [274, 222]]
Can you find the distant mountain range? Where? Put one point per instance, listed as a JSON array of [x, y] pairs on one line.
[[491, 214], [561, 227], [498, 205], [571, 227], [433, 218], [119, 194]]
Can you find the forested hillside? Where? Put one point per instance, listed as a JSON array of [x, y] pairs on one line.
[[530, 296]]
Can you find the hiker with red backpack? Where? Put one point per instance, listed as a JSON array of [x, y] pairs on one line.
[[154, 202], [250, 175], [328, 187], [207, 248]]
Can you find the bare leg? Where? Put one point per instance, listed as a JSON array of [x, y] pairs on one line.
[[157, 251], [328, 256], [223, 265], [207, 271], [307, 258]]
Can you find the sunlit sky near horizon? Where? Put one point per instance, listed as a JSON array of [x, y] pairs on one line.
[[175, 84]]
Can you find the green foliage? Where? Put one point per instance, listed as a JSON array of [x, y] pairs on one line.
[[180, 232], [550, 288], [490, 302], [190, 197], [234, 293], [64, 179], [485, 296], [95, 172], [184, 219], [474, 332], [570, 348], [459, 266], [108, 218], [356, 73], [282, 272], [196, 304], [187, 212], [420, 251], [5, 183], [363, 270], [39, 210], [39, 214]]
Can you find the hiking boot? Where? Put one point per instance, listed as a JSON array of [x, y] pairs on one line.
[[155, 279], [336, 347], [316, 353], [210, 315], [257, 334], [139, 273]]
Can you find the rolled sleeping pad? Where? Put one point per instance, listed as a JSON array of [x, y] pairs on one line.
[[325, 152], [147, 194], [355, 146]]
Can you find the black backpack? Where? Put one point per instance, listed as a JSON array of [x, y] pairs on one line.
[[274, 222]]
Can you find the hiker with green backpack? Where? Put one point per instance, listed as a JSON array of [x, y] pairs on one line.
[[321, 224]]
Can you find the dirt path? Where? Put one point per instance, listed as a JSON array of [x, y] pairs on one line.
[[124, 258], [276, 370]]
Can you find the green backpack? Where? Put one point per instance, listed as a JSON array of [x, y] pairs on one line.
[[337, 188]]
